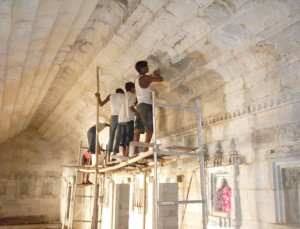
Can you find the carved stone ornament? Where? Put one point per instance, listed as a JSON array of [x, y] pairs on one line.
[[220, 158], [218, 151]]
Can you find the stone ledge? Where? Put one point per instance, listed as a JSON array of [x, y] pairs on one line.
[[284, 226]]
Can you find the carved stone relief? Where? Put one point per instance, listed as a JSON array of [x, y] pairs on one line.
[[48, 183], [46, 188], [24, 189], [284, 134], [25, 184], [291, 189], [223, 154], [223, 197], [287, 192]]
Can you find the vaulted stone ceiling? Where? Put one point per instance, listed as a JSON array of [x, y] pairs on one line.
[[50, 50]]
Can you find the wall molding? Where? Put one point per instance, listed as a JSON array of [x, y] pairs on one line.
[[244, 111]]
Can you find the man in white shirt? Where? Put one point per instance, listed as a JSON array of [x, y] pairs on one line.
[[126, 118], [115, 103], [91, 136]]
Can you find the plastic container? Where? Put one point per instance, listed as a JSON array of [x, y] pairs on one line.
[[72, 179], [100, 159]]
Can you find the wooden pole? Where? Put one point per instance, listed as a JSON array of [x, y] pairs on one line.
[[74, 188], [95, 215], [102, 198]]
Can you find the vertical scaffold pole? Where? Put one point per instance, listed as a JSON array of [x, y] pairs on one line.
[[95, 212], [155, 148], [202, 170]]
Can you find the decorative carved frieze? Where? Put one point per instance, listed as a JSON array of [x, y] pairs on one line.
[[276, 101], [224, 160]]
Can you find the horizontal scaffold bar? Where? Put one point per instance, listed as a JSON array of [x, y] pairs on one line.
[[180, 202], [172, 153], [88, 196], [141, 144], [84, 221], [169, 147], [176, 107], [173, 147]]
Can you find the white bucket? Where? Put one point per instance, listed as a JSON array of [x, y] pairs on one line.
[[100, 159], [72, 179]]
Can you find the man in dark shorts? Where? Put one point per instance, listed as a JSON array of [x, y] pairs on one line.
[[144, 120]]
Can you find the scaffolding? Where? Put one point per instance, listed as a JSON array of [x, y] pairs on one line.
[[142, 163], [198, 153], [72, 195]]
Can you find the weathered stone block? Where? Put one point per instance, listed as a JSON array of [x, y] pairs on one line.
[[166, 22], [236, 99], [150, 36], [154, 5], [198, 27], [255, 175], [255, 77], [230, 36], [264, 15], [182, 10], [289, 77], [266, 88]]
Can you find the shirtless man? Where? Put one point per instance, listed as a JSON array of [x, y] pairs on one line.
[[144, 120]]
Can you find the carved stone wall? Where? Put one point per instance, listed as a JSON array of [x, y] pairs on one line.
[[262, 134], [291, 190], [30, 177]]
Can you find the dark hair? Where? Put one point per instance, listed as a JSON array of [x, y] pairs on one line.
[[141, 64], [128, 86], [120, 90]]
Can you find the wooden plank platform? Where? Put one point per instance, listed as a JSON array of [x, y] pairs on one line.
[[144, 161], [114, 165]]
